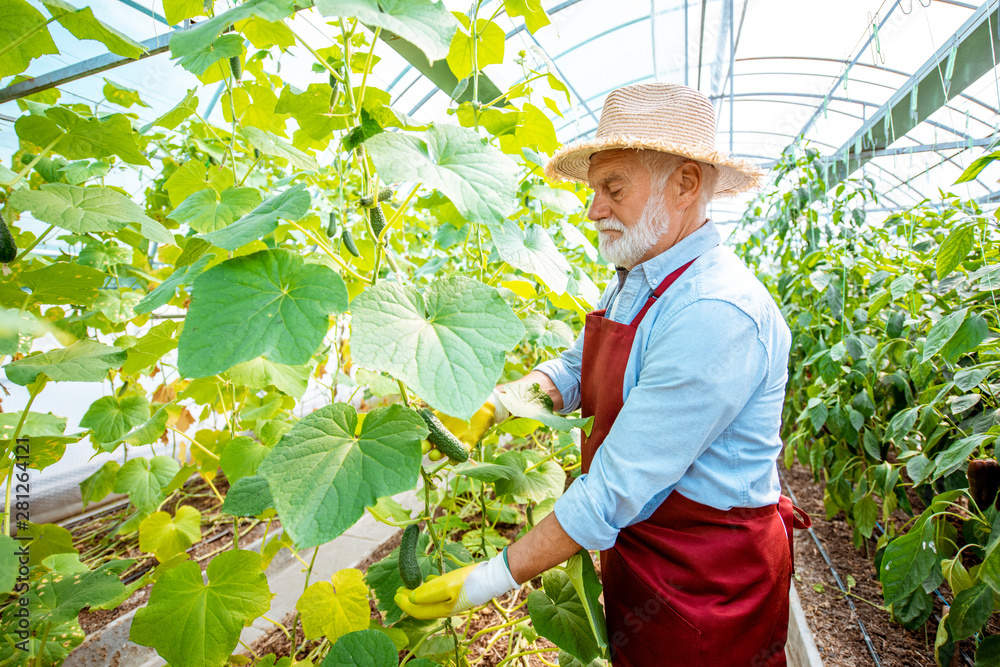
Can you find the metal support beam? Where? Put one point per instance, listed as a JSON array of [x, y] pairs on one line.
[[973, 44], [687, 47], [154, 46]]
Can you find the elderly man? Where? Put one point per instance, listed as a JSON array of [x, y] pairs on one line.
[[683, 368]]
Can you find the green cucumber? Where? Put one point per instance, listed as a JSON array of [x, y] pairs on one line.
[[444, 439], [409, 568], [384, 194], [349, 243], [237, 67], [331, 224], [377, 218], [8, 249]]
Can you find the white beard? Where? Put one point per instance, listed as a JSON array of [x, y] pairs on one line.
[[634, 241]]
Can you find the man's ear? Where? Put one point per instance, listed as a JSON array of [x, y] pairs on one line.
[[688, 184]]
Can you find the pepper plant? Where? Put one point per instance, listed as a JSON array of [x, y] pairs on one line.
[[892, 379]]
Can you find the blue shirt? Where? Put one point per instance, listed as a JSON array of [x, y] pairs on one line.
[[703, 394]]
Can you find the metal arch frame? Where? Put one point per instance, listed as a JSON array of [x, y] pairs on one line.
[[973, 42], [840, 79], [880, 68]]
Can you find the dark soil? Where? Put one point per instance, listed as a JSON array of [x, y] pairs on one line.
[[836, 629]]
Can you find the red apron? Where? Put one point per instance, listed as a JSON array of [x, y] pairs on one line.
[[691, 585]]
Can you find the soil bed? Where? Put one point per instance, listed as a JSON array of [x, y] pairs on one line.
[[837, 633]]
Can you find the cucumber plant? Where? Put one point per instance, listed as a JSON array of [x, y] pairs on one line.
[[281, 297]]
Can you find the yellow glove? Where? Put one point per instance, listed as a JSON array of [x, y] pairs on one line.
[[458, 590], [492, 412]]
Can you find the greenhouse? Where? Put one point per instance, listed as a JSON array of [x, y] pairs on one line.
[[495, 333]]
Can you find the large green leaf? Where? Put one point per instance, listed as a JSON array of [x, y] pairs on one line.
[[322, 476], [61, 283], [942, 331], [558, 615], [79, 138], [226, 46], [270, 303], [207, 211], [954, 250], [528, 400], [335, 608], [111, 417], [533, 251], [426, 24], [271, 144], [181, 112], [8, 564], [166, 536], [248, 496], [969, 612], [478, 179], [149, 349], [588, 587], [241, 457], [58, 597], [448, 344], [83, 361], [488, 45], [973, 331], [19, 20], [534, 15], [201, 36], [144, 480], [193, 624], [80, 210], [82, 24], [363, 648], [98, 485], [36, 423], [907, 562], [165, 291], [259, 373], [292, 204]]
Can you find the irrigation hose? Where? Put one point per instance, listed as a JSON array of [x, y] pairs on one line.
[[837, 579]]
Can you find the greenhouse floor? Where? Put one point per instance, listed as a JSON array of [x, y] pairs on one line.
[[835, 627]]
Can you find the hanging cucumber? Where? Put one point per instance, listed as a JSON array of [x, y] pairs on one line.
[[8, 249], [409, 568], [384, 194], [349, 243], [237, 67], [444, 439], [392, 261], [378, 221]]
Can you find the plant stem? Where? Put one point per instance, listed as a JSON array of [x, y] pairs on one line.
[[31, 247], [26, 36], [364, 77], [309, 570], [214, 490], [13, 449], [24, 172], [193, 442], [329, 251]]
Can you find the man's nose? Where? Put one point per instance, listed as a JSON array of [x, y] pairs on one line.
[[598, 209]]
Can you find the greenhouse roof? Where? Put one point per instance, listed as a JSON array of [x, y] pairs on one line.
[[776, 69]]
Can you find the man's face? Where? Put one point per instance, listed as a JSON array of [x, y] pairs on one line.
[[628, 220]]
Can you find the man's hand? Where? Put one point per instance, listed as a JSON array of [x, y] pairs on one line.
[[545, 383], [457, 591]]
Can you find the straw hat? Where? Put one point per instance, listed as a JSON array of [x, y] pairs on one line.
[[663, 117]]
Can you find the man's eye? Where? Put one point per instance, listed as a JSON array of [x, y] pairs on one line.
[[615, 193]]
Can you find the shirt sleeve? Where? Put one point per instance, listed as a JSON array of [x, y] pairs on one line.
[[698, 371], [565, 370]]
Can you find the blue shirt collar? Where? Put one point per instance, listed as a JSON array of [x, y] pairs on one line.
[[694, 245]]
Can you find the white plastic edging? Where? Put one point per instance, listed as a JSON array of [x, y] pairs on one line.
[[800, 650]]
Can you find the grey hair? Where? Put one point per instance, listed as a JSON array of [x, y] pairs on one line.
[[661, 167]]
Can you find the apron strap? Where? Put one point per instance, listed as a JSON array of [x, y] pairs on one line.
[[658, 292], [792, 517]]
